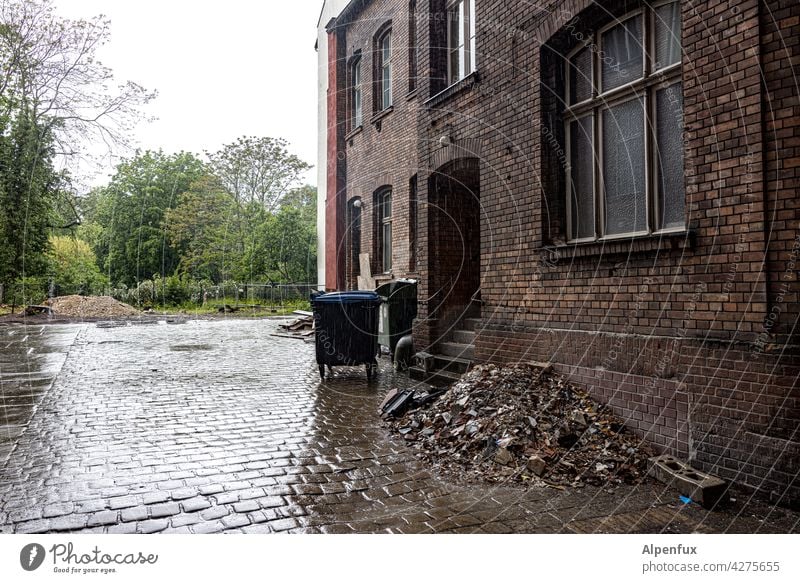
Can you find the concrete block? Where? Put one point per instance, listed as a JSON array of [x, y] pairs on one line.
[[703, 488]]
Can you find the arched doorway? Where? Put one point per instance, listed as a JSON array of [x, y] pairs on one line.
[[454, 212]]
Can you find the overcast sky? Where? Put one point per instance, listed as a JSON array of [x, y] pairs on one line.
[[222, 69]]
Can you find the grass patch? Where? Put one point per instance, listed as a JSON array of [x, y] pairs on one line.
[[252, 309]]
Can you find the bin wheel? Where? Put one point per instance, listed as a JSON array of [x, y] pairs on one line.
[[322, 371]]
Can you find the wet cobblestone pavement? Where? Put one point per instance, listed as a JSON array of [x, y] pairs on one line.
[[216, 426]]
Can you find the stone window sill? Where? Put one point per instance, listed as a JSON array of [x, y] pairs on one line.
[[639, 244], [378, 117], [464, 84], [349, 137]]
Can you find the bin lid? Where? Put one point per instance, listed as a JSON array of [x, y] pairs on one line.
[[389, 288], [352, 297]]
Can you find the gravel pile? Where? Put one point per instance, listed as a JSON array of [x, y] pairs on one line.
[[523, 424], [90, 307]]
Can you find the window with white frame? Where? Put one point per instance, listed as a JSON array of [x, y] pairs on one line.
[[385, 226], [460, 39], [356, 95], [624, 128], [384, 70]]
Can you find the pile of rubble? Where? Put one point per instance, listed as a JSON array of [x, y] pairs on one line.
[[90, 307], [519, 423]]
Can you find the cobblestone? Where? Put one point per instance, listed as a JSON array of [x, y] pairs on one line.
[[160, 510], [195, 504], [134, 514], [103, 518], [240, 435]]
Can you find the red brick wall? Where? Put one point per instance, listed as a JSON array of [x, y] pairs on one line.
[[383, 153], [335, 203], [693, 337]]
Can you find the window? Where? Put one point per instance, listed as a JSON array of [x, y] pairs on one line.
[[356, 112], [460, 39], [353, 241], [385, 229], [624, 128], [384, 71], [412, 45]]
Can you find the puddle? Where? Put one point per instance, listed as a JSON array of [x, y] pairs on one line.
[[190, 347]]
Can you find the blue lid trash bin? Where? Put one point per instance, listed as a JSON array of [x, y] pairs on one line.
[[346, 330]]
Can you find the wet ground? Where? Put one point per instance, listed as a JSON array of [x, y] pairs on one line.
[[217, 426]]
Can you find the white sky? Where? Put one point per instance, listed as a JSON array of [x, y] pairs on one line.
[[222, 69]]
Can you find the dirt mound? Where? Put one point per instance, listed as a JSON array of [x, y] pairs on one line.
[[523, 423], [90, 307]]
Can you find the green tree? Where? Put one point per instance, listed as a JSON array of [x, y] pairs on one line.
[[258, 172], [288, 239], [55, 98], [132, 243], [28, 184], [73, 266], [199, 229]]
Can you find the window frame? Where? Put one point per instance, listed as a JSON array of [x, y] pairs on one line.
[[468, 48], [385, 221], [353, 253], [383, 70], [356, 90], [643, 87]]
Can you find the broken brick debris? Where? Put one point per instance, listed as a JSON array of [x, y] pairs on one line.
[[521, 423]]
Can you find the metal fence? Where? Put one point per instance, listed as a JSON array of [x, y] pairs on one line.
[[272, 293], [36, 290]]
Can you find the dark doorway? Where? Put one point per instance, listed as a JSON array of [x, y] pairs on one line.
[[455, 234]]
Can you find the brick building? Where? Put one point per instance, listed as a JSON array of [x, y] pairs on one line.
[[608, 186]]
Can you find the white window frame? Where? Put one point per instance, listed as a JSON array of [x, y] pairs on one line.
[[644, 87], [465, 11], [386, 221], [385, 70], [357, 93]]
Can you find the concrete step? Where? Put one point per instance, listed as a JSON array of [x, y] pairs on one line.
[[470, 324], [437, 378], [465, 351], [464, 336], [454, 364]]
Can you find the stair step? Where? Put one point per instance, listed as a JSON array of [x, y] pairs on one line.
[[464, 336], [470, 324], [465, 351], [451, 363], [437, 377]]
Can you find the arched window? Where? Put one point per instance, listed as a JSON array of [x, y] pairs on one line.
[[356, 94], [383, 222], [383, 69], [624, 127]]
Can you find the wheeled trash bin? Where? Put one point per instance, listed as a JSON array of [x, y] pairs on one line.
[[346, 330], [397, 312]]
